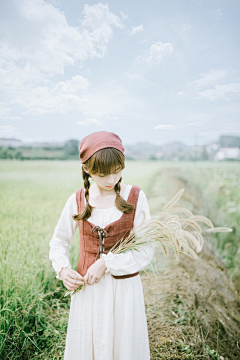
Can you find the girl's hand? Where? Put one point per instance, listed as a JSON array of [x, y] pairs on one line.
[[71, 278], [95, 272]]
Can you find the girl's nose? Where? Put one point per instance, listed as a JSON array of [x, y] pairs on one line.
[[110, 179]]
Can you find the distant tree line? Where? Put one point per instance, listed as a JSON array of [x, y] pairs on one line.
[[69, 151], [175, 151], [229, 141]]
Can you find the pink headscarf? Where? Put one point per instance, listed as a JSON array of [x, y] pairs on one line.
[[97, 141]]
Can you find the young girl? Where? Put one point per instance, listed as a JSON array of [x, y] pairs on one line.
[[107, 318]]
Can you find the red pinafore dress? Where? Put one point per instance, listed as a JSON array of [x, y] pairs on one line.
[[95, 240]]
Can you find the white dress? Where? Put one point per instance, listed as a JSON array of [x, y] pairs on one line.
[[107, 320]]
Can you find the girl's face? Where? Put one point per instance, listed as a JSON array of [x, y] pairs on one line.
[[107, 182]]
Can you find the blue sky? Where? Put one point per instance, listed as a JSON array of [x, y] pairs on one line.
[[155, 71]]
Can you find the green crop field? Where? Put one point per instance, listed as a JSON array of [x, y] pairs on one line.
[[34, 313], [218, 186]]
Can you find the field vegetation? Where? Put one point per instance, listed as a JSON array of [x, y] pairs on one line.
[[34, 313]]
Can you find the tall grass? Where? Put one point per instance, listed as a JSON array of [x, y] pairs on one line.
[[219, 187]]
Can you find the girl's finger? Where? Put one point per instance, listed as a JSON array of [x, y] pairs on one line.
[[73, 280], [77, 275], [69, 285], [93, 280], [86, 278], [90, 277], [76, 282]]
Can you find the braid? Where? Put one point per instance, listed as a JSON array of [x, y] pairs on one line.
[[88, 208], [86, 185], [118, 186], [120, 202]]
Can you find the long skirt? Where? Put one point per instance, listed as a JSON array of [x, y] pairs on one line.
[[107, 321]]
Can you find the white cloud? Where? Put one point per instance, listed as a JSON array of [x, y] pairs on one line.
[[76, 95], [59, 45], [158, 51], [7, 128], [63, 98], [118, 118], [98, 17], [181, 93], [103, 102], [89, 121], [124, 16], [164, 127], [211, 78], [133, 76], [4, 111], [9, 131], [92, 113], [187, 27], [77, 83], [102, 116], [38, 43], [136, 29], [112, 99], [194, 123], [218, 14], [220, 92]]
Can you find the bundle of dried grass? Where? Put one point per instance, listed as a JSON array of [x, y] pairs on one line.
[[183, 235]]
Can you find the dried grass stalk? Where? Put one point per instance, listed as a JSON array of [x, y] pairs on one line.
[[169, 231], [218, 229], [203, 219], [191, 223], [174, 200], [179, 209]]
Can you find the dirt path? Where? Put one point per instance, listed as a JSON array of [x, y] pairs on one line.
[[192, 309]]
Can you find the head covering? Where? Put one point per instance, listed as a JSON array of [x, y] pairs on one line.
[[97, 141]]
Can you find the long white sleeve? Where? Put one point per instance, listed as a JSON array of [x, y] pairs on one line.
[[62, 236], [132, 261], [117, 264]]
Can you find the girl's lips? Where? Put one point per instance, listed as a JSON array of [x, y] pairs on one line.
[[110, 186]]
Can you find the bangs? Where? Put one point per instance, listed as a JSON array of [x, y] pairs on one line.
[[106, 161]]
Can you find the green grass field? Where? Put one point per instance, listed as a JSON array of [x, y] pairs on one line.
[[34, 313]]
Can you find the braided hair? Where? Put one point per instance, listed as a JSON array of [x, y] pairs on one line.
[[88, 208], [103, 161], [120, 202]]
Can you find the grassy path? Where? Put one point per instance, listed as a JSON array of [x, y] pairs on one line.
[[192, 309]]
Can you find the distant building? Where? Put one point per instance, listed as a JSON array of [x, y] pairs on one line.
[[10, 142], [211, 148], [228, 153]]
